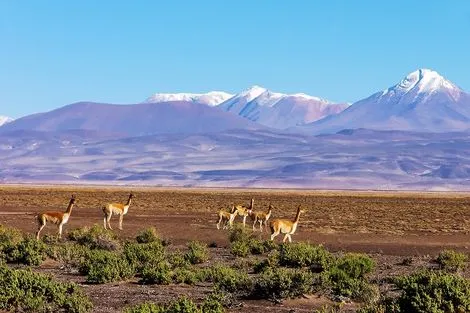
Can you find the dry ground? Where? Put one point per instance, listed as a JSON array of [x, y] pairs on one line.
[[387, 225]]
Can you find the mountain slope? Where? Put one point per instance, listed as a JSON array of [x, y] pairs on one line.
[[211, 98], [279, 110], [422, 101], [133, 120]]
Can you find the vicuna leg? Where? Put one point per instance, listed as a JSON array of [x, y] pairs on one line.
[[273, 235], [244, 221], [254, 223], [108, 219], [261, 226], [285, 237], [121, 216], [218, 223], [60, 231], [41, 226]]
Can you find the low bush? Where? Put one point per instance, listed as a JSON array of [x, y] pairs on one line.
[[304, 254], [280, 283], [104, 266], [178, 259], [346, 277], [182, 305], [148, 235], [433, 292], [228, 279], [159, 273], [452, 261], [28, 251], [95, 237], [145, 254], [197, 253], [25, 291], [69, 253]]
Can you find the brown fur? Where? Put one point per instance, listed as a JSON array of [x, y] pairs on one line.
[[243, 211], [285, 226], [116, 208], [57, 218], [226, 217], [261, 217]]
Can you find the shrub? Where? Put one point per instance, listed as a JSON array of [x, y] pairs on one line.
[[355, 265], [25, 291], [197, 253], [178, 260], [238, 233], [281, 283], [240, 248], [185, 276], [181, 305], [69, 253], [433, 292], [228, 279], [146, 254], [304, 254], [28, 251], [346, 277], [95, 237], [159, 273], [271, 261], [148, 235], [452, 261], [104, 266]]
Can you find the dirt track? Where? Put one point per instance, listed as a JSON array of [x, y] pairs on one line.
[[386, 225]]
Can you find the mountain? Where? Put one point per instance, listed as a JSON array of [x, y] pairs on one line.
[[211, 98], [422, 101], [279, 110], [354, 159], [133, 120], [5, 119]]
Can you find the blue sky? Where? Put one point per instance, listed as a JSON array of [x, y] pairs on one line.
[[57, 52]]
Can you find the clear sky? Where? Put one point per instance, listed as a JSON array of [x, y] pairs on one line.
[[56, 52]]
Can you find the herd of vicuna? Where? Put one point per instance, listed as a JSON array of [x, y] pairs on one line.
[[225, 218]]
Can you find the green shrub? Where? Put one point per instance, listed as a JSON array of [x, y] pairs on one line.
[[452, 261], [28, 251], [355, 265], [238, 233], [304, 254], [25, 291], [148, 235], [69, 253], [280, 283], [228, 279], [213, 303], [271, 261], [240, 248], [178, 260], [433, 292], [95, 237], [181, 305], [185, 276], [159, 273], [197, 253], [103, 266], [346, 277], [145, 254]]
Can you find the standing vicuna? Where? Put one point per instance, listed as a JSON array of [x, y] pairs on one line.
[[58, 218], [226, 218], [260, 217], [116, 208], [285, 226], [244, 211]]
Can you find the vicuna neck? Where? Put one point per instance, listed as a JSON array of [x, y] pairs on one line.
[[129, 201], [297, 217], [69, 208]]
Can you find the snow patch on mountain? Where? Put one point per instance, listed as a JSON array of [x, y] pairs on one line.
[[5, 119], [212, 98], [279, 110]]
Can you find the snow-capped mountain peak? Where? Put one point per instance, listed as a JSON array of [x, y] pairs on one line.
[[252, 92], [5, 119], [212, 98], [423, 81]]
